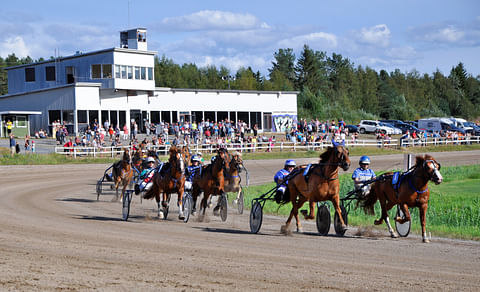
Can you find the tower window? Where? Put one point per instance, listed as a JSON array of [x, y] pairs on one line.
[[29, 74]]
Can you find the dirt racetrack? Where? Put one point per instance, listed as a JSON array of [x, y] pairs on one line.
[[54, 235]]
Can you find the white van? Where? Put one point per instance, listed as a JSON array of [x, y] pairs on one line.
[[438, 124], [461, 123]]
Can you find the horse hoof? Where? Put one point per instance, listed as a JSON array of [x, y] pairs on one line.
[[377, 222], [235, 202], [216, 212], [181, 217], [344, 228], [394, 235], [426, 240], [209, 205], [160, 215], [299, 230]]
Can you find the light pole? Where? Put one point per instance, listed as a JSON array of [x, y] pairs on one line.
[[228, 78]]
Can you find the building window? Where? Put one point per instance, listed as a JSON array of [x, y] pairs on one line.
[[29, 74], [50, 73], [53, 116], [143, 73], [137, 73], [130, 72], [21, 121], [124, 72], [82, 116], [68, 116], [107, 70], [96, 71], [117, 71], [150, 73]]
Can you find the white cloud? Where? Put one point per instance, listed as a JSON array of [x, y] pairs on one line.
[[213, 20], [407, 52], [317, 41], [448, 34], [14, 45], [378, 35]]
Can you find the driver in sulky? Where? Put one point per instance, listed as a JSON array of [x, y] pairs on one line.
[[361, 175]]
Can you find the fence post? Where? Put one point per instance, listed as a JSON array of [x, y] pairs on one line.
[[407, 161]]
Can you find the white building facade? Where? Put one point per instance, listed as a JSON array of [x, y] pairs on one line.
[[118, 85]]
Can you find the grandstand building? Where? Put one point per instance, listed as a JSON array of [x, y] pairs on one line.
[[118, 85]]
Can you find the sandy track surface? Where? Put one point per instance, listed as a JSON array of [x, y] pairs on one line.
[[54, 235]]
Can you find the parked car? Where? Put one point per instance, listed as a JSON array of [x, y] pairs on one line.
[[476, 129], [352, 128], [402, 126], [396, 131], [370, 126]]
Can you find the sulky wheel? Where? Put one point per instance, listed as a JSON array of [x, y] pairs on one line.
[[240, 203], [336, 221], [256, 217], [99, 189], [402, 229], [223, 207], [187, 206], [126, 200], [323, 219]]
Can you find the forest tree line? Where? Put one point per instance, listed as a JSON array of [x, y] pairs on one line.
[[329, 86]]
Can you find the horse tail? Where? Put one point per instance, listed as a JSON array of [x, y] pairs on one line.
[[153, 191], [368, 203]]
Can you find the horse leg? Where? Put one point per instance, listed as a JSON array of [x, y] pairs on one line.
[[117, 185], [406, 213], [336, 204], [383, 205], [423, 217], [159, 209], [181, 216], [238, 197], [311, 214]]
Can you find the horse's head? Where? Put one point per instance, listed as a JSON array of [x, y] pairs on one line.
[[339, 155], [186, 155], [223, 158], [176, 160], [236, 161], [431, 168], [127, 158]]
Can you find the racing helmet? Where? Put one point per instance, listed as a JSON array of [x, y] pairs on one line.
[[196, 158], [290, 162], [150, 159], [364, 159]]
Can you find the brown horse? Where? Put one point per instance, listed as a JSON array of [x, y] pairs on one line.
[[232, 176], [211, 180], [170, 179], [322, 184], [122, 173], [410, 191], [186, 155]]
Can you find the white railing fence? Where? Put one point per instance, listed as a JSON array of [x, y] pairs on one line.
[[113, 151]]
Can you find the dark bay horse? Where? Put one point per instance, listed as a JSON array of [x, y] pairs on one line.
[[322, 184], [170, 179], [211, 180], [122, 173], [410, 191], [232, 176]]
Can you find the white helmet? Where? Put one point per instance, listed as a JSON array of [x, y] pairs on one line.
[[150, 159]]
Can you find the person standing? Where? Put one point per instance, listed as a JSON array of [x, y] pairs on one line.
[[27, 143], [9, 127], [12, 144]]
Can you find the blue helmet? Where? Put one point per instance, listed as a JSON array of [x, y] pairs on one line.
[[290, 162], [364, 159], [196, 158]]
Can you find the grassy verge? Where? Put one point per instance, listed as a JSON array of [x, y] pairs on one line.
[[32, 159], [453, 210]]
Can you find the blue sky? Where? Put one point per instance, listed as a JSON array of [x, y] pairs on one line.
[[406, 34]]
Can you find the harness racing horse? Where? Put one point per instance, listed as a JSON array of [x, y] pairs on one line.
[[322, 184], [122, 173], [211, 180], [170, 179], [186, 155], [411, 190], [232, 176]]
